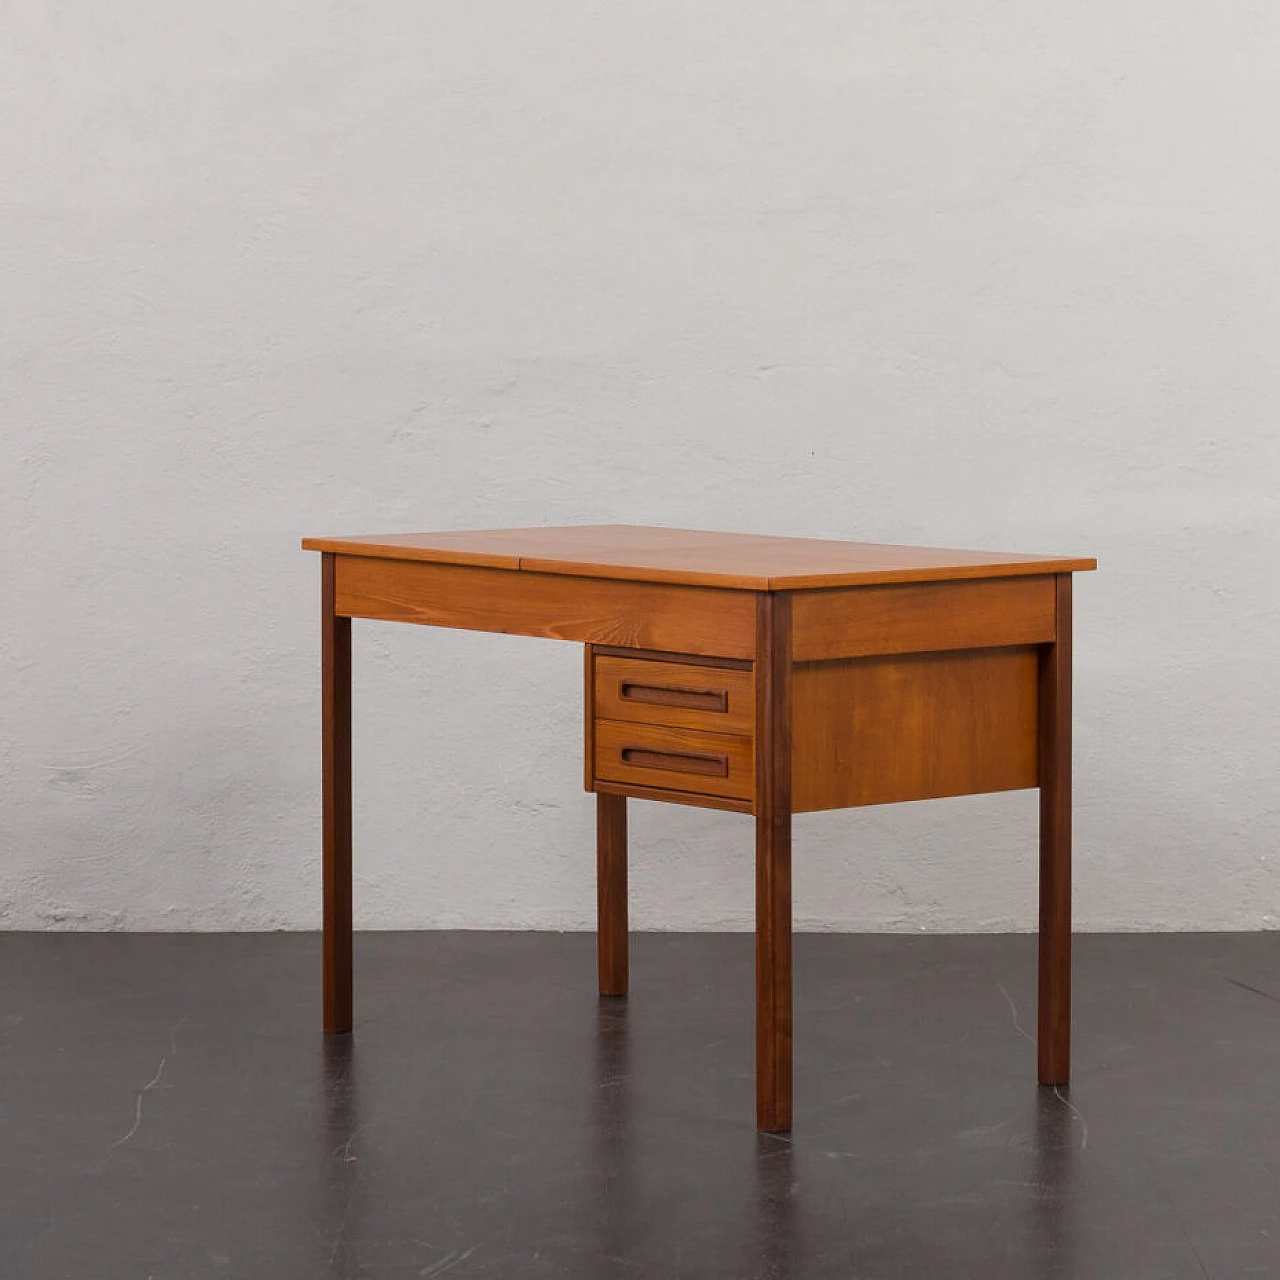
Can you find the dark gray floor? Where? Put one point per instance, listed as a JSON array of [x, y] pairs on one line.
[[171, 1110]]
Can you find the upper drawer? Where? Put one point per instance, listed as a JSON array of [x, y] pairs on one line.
[[718, 699]]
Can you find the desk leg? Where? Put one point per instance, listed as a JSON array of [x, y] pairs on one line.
[[773, 861], [611, 893], [1055, 847], [335, 664]]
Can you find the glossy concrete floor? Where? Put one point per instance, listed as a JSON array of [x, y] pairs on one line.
[[169, 1109]]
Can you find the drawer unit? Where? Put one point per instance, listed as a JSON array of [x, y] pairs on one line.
[[673, 759], [652, 691], [671, 726]]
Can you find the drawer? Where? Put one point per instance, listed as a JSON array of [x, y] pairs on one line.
[[650, 755], [715, 699]]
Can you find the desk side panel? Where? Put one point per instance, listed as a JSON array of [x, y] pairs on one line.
[[914, 727], [924, 617], [634, 615]]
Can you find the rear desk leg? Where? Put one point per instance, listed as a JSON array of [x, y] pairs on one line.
[[611, 893]]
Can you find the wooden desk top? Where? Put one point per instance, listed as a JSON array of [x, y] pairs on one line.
[[696, 557]]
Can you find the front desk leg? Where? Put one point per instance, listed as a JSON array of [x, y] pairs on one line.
[[611, 893], [773, 861], [335, 666], [1054, 1039]]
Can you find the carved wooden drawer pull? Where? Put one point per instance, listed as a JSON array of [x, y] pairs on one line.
[[710, 766], [675, 696]]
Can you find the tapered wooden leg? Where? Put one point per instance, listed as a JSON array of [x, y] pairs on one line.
[[611, 893], [773, 861], [1054, 1039], [335, 649]]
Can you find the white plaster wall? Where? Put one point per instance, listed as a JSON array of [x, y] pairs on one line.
[[988, 275]]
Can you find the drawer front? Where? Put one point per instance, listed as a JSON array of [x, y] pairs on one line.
[[714, 699], [714, 764]]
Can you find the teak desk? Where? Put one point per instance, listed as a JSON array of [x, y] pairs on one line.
[[768, 676]]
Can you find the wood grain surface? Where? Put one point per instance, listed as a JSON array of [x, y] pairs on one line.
[[694, 557], [923, 617], [913, 727], [630, 614]]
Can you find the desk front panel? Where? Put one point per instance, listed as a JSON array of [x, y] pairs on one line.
[[922, 617], [641, 615]]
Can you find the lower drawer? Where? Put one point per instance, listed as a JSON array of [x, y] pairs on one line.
[[650, 755]]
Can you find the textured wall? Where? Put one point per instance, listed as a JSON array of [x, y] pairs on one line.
[[988, 275]]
